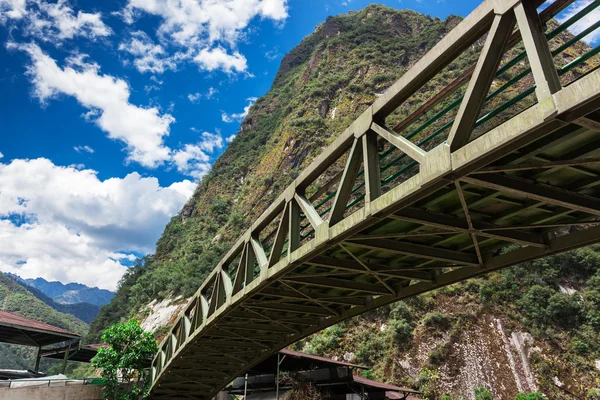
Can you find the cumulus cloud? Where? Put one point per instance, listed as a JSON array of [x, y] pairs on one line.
[[1, 155], [237, 117], [72, 226], [204, 26], [585, 22], [83, 149], [218, 59], [141, 129], [52, 21], [193, 160], [230, 138], [148, 56]]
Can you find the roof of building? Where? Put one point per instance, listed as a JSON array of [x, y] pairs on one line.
[[85, 353], [297, 354], [385, 386], [296, 361], [16, 329]]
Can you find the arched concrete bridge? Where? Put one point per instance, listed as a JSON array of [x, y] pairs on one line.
[[471, 189]]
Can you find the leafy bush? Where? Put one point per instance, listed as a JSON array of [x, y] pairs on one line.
[[482, 393], [326, 340], [437, 319], [565, 309], [401, 332]]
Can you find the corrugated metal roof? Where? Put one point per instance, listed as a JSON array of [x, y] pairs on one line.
[[17, 329], [12, 319], [385, 386], [322, 359]]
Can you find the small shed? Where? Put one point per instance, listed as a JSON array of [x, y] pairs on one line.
[[16, 329]]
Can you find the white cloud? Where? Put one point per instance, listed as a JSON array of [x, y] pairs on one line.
[[53, 21], [193, 159], [204, 26], [79, 228], [585, 22], [1, 155], [107, 99], [218, 59], [12, 9], [148, 56], [239, 116], [189, 22], [194, 97], [83, 149], [149, 88], [272, 54], [230, 138], [211, 92]]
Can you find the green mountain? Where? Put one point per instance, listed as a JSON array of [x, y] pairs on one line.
[[482, 332], [16, 298]]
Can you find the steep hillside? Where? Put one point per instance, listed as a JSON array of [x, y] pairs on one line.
[[321, 86], [15, 298], [438, 342], [534, 327], [81, 310]]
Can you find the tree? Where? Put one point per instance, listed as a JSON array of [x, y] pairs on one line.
[[129, 349]]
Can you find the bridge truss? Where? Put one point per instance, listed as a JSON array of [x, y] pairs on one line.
[[471, 189]]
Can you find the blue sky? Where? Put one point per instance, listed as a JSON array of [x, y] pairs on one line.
[[112, 111]]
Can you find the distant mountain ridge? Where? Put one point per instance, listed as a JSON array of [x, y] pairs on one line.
[[70, 293]]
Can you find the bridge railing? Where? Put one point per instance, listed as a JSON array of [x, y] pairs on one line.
[[520, 62]]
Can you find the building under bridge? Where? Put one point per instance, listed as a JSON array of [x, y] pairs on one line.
[[288, 370]]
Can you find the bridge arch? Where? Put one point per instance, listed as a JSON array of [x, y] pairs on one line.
[[457, 205]]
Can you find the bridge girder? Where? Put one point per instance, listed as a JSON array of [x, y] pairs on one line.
[[528, 185]]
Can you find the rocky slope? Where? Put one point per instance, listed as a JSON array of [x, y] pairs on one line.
[[445, 342]]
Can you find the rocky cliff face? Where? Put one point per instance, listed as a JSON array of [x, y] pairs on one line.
[[474, 334]]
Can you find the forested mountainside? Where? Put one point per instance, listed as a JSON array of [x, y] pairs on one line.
[[322, 86], [14, 297], [54, 294]]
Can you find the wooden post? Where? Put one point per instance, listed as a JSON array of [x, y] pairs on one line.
[[37, 359]]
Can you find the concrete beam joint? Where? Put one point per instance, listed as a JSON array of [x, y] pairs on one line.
[[503, 6], [363, 123]]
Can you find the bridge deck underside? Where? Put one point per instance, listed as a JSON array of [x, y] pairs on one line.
[[519, 202], [527, 188]]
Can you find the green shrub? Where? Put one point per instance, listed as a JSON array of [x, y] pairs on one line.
[[437, 319], [482, 393], [326, 341], [401, 332], [530, 396], [565, 309]]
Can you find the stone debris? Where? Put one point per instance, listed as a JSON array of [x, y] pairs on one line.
[[161, 313]]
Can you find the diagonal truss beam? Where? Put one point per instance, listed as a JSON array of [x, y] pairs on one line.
[[537, 191], [418, 250], [479, 85]]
